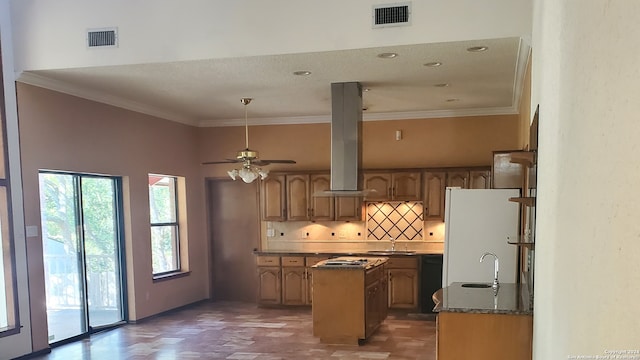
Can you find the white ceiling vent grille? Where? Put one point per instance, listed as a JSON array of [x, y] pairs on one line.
[[102, 37], [392, 15]]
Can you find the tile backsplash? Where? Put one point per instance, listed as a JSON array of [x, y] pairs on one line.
[[401, 220]]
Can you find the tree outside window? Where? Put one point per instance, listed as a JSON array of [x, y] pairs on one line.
[[165, 242]]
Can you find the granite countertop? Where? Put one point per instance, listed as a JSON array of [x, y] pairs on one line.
[[510, 299], [345, 253], [351, 262]]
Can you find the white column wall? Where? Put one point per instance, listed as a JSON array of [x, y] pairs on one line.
[[586, 78]]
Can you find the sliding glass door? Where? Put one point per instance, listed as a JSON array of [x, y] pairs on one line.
[[82, 253]]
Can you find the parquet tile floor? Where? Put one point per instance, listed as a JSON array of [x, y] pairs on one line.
[[241, 331]]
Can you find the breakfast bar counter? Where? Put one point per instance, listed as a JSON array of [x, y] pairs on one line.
[[510, 299], [473, 322]]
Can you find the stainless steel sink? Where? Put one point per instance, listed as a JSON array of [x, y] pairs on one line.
[[476, 285], [391, 252]]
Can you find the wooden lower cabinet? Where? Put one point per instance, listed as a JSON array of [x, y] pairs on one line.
[[270, 285], [348, 304], [403, 286], [294, 286], [484, 336]]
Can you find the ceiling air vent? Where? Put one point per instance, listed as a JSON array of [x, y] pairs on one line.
[[391, 15], [102, 37]]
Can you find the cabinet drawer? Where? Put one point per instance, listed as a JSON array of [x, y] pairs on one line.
[[403, 262], [293, 261], [268, 261], [312, 260]]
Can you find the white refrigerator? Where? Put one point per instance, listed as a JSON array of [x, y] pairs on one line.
[[479, 221]]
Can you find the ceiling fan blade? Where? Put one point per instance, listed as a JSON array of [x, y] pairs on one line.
[[225, 161], [267, 162]]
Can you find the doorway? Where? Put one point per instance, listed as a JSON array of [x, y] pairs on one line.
[[83, 256], [234, 220]]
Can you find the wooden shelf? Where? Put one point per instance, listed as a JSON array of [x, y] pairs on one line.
[[526, 158], [527, 201]]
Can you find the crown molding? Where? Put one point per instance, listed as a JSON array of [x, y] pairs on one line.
[[101, 97], [522, 61], [411, 115], [56, 85]]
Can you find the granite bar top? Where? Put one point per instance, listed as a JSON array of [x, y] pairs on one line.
[[510, 299], [345, 253]]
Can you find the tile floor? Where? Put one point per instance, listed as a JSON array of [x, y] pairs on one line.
[[240, 331]]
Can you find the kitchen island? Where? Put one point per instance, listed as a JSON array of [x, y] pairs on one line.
[[479, 323], [349, 298]]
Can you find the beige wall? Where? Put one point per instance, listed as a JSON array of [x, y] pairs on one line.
[[425, 143], [585, 78], [62, 132]]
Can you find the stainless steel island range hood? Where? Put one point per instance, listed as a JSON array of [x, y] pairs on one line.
[[346, 145]]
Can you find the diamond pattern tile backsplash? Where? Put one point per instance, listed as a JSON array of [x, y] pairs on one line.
[[395, 219]]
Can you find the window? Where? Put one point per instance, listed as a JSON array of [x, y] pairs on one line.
[[165, 231]]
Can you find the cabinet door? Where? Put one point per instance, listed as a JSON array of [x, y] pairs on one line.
[[434, 188], [322, 208], [273, 198], [348, 208], [297, 201], [480, 179], [371, 308], [294, 286], [403, 288], [269, 285], [406, 186], [458, 179], [381, 183]]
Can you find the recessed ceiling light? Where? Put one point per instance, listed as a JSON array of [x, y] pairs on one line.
[[302, 73], [387, 55], [433, 64], [442, 85], [477, 49], [452, 100]]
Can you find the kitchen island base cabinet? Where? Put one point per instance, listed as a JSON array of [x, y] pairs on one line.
[[484, 336], [348, 304]]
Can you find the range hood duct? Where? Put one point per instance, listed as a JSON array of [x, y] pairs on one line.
[[346, 145]]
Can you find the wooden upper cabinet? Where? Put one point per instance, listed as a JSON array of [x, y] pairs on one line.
[[434, 188], [393, 186], [297, 197], [480, 179], [380, 184], [301, 204], [272, 198], [406, 186], [458, 179], [322, 208], [348, 208]]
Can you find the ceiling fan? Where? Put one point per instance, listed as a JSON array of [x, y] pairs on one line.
[[249, 158]]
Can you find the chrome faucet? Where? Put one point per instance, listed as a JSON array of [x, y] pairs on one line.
[[496, 266], [393, 244]]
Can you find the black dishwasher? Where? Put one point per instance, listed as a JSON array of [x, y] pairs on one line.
[[430, 280]]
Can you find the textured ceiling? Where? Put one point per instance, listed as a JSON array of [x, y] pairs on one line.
[[208, 92]]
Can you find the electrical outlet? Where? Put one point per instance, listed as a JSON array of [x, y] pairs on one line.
[[304, 234], [342, 235], [271, 232]]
